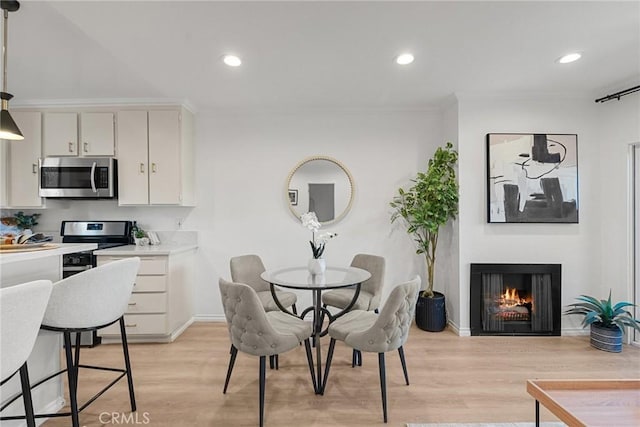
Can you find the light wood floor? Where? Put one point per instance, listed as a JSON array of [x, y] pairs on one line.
[[453, 379]]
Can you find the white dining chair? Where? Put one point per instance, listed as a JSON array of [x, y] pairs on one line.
[[369, 295], [261, 333], [378, 333]]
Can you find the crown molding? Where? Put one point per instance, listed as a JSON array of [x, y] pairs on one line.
[[105, 102]]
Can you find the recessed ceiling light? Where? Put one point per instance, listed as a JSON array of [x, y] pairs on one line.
[[404, 59], [570, 57], [231, 60]]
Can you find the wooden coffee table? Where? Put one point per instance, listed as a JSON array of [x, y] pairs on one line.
[[589, 402]]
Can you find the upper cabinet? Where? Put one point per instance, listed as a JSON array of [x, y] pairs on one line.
[[155, 157], [90, 135], [20, 163]]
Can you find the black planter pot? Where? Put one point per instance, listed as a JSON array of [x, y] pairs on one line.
[[431, 314], [607, 339]]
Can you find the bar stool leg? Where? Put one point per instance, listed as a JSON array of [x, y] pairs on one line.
[[26, 396], [72, 376], [127, 364]]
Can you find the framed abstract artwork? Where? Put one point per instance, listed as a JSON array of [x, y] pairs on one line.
[[532, 178]]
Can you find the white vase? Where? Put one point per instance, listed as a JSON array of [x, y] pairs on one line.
[[317, 266]]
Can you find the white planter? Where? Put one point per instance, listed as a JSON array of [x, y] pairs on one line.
[[317, 266], [143, 241]]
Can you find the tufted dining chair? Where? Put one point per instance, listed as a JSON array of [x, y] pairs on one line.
[[261, 333], [21, 310], [378, 333], [247, 269], [370, 291]]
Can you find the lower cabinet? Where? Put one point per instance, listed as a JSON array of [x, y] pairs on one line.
[[161, 305]]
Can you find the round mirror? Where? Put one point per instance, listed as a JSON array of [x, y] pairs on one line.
[[322, 185]]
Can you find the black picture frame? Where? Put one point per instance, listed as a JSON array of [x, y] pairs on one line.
[[293, 197], [532, 178]]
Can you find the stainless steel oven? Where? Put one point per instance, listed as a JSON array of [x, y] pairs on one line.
[[78, 177], [105, 234]]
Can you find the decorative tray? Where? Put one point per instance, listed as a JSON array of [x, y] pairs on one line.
[[27, 247]]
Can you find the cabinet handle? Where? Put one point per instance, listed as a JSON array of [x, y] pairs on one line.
[[34, 168], [86, 147], [141, 167], [153, 167], [133, 303], [70, 147], [131, 325]]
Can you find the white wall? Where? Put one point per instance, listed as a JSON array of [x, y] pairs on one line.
[[619, 128], [243, 164], [576, 246]]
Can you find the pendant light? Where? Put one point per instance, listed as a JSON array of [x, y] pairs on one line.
[[8, 127]]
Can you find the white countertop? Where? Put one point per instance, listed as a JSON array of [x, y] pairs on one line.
[[149, 250], [60, 249]]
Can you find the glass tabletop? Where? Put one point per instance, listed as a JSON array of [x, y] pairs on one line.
[[300, 278]]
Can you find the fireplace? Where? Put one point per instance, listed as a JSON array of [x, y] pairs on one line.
[[515, 299]]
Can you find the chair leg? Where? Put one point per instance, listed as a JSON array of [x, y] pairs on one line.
[[72, 375], [127, 364], [332, 345], [307, 347], [356, 358], [404, 364], [294, 309], [26, 396], [383, 385], [232, 361], [263, 368]]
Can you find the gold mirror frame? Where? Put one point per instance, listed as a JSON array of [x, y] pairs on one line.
[[337, 163]]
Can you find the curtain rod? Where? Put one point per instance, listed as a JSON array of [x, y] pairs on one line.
[[618, 95]]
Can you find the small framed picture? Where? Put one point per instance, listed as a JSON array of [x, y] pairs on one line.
[[293, 197]]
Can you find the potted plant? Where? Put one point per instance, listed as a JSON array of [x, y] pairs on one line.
[[606, 320], [26, 222], [429, 204]]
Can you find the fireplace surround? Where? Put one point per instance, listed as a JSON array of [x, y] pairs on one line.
[[515, 299]]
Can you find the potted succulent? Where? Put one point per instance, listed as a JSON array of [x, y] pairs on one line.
[[606, 320], [429, 204], [26, 222]]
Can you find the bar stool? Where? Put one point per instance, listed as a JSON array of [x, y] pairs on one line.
[[21, 310], [89, 301]]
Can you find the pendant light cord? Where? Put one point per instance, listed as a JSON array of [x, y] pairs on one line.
[[4, 50]]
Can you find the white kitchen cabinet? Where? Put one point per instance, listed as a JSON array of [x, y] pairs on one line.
[[155, 157], [97, 134], [61, 133], [161, 305], [21, 162]]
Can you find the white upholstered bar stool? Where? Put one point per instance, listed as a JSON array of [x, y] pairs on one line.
[[89, 301], [256, 332], [21, 310], [378, 333]]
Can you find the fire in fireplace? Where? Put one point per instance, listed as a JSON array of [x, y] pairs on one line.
[[515, 299]]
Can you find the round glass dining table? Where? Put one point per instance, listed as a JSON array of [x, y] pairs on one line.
[[332, 278]]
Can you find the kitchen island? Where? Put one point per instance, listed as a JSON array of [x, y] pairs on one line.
[[20, 267]]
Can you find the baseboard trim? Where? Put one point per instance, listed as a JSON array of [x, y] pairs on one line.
[[209, 318]]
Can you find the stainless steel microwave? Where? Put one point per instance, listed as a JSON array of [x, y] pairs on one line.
[[78, 177]]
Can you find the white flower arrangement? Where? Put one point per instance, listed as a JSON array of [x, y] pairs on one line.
[[310, 221]]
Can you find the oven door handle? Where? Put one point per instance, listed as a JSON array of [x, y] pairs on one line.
[[93, 177], [81, 268]]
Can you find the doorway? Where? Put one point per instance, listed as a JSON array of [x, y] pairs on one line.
[[635, 188]]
